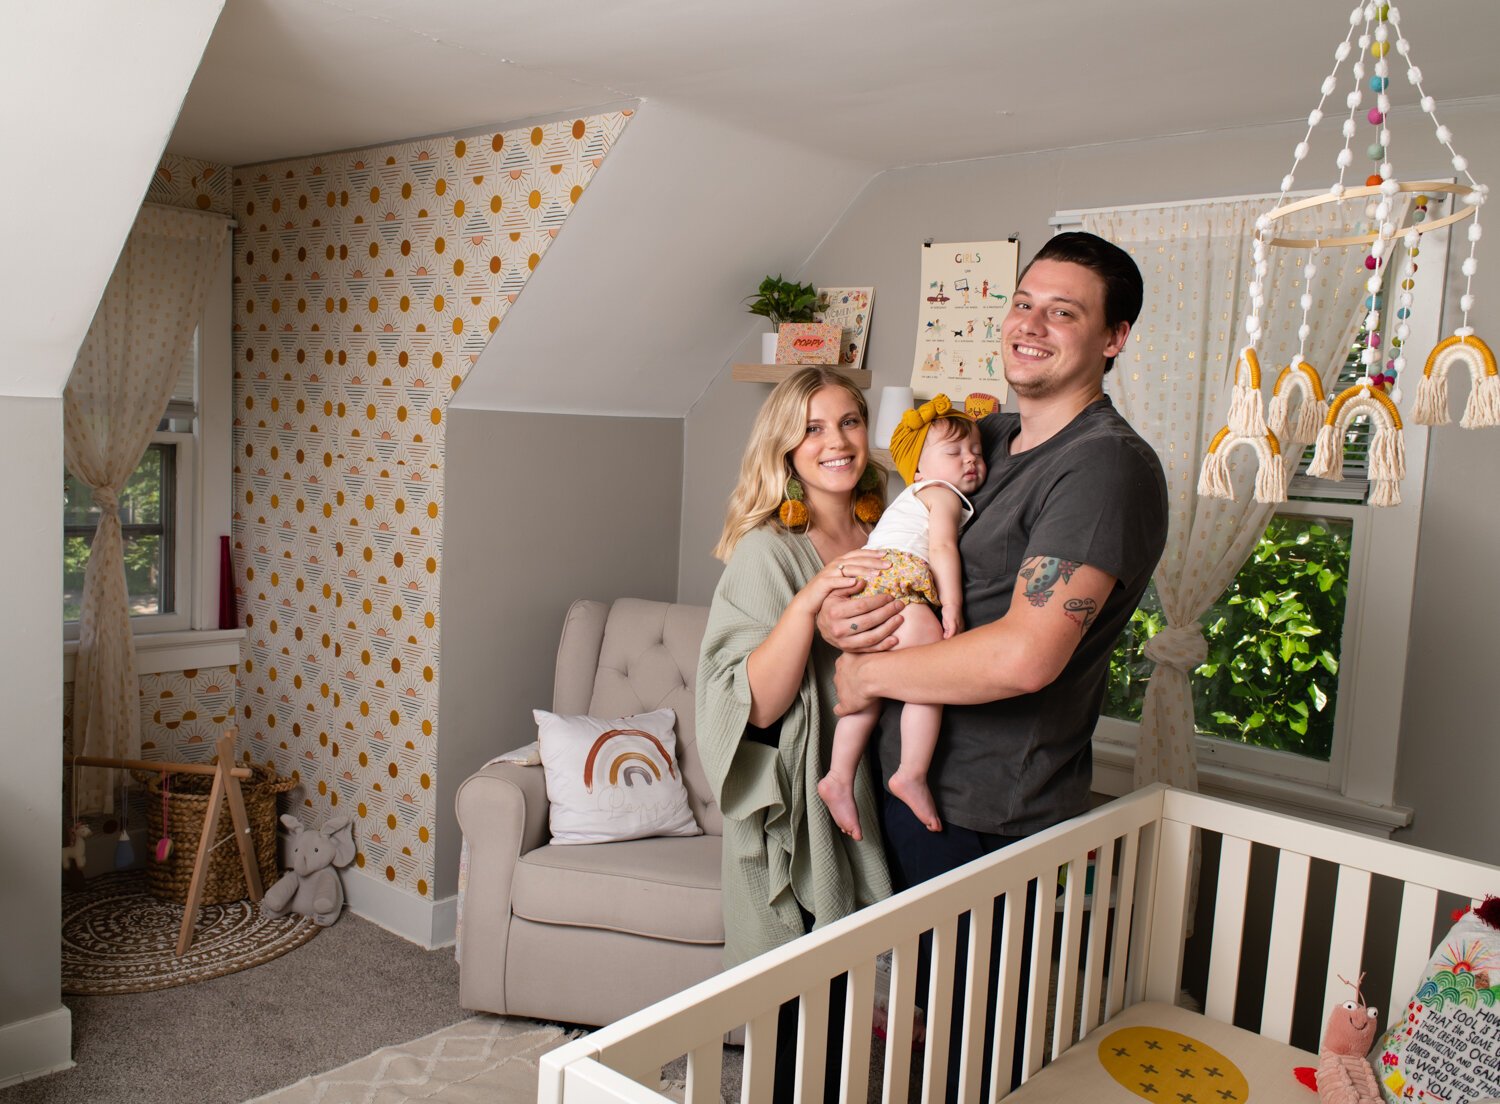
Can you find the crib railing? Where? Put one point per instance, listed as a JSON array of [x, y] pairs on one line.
[[1118, 882]]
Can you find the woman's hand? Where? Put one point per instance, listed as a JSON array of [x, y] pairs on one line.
[[845, 575], [860, 622]]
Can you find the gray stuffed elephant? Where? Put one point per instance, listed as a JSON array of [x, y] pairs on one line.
[[312, 887]]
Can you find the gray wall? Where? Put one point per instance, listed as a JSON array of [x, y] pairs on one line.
[[1450, 754], [541, 509], [31, 783]]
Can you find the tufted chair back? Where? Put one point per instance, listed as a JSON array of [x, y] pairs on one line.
[[632, 657]]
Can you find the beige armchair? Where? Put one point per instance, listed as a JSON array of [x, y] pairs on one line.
[[590, 933]]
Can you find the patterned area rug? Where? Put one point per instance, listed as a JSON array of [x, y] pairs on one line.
[[488, 1058], [117, 938]]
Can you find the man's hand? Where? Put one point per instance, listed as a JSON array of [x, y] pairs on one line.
[[847, 682], [863, 622]]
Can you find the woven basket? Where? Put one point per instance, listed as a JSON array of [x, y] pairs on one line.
[[187, 801]]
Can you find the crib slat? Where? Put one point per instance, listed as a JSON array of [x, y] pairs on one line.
[[1287, 914], [758, 1080], [1413, 943], [1067, 969], [1173, 873], [976, 984], [1229, 929], [1346, 942], [855, 1075], [705, 1069], [1099, 910], [1008, 972], [1120, 958], [939, 1004], [1044, 922], [898, 1022], [812, 1042]]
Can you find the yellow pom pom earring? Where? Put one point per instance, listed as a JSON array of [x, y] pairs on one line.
[[870, 504], [793, 512]]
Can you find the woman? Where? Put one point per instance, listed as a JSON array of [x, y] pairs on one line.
[[765, 679]]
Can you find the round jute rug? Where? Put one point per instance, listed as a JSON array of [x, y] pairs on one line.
[[117, 938]]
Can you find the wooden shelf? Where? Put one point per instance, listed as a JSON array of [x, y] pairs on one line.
[[775, 373]]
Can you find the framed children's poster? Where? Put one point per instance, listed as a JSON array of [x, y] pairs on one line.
[[850, 308], [965, 292]]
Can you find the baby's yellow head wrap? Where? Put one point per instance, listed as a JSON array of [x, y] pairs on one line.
[[907, 441]]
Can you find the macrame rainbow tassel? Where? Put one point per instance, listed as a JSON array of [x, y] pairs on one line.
[[1270, 476], [1387, 453], [1483, 407], [1246, 415], [1297, 378]]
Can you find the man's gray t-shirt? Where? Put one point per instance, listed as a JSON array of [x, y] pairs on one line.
[[1093, 493]]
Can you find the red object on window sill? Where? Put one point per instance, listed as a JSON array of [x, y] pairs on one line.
[[228, 616]]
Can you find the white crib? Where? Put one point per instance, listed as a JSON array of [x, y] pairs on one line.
[[1142, 847]]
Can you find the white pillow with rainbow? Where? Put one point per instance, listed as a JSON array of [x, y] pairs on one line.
[[611, 780]]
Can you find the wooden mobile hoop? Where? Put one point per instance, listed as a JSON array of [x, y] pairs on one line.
[[1271, 432]]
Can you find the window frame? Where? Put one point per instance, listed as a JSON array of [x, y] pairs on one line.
[[177, 529], [1357, 785]]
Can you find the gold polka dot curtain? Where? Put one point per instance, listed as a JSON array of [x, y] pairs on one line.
[[114, 400], [1173, 382]]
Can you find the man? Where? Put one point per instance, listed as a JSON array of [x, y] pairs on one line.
[[1068, 528]]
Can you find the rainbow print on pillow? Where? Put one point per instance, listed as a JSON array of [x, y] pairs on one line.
[[613, 779]]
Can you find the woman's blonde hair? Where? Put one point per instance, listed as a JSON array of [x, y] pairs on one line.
[[779, 428]]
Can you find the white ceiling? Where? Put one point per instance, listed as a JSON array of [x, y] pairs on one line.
[[883, 82]]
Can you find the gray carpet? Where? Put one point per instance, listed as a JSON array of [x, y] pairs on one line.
[[353, 989]]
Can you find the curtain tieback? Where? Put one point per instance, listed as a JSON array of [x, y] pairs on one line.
[[106, 499], [1179, 646]]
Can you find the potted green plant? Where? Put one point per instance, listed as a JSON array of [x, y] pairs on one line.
[[782, 301]]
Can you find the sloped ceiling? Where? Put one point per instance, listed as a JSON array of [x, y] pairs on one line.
[[88, 95], [756, 127], [639, 301], [888, 82]]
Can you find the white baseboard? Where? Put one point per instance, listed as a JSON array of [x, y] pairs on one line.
[[429, 924], [38, 1046]]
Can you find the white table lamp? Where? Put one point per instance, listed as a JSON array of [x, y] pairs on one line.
[[894, 402]]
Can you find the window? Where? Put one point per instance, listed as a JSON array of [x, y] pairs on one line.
[[1299, 701], [155, 525], [176, 503]]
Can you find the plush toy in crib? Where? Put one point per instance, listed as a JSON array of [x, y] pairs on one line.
[[312, 886], [1345, 1075]]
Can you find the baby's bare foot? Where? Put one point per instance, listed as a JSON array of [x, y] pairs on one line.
[[838, 795], [913, 792]]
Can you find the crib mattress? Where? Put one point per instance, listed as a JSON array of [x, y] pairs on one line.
[[1162, 1053]]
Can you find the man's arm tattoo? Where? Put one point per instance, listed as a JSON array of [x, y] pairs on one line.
[[1081, 610], [1042, 573]]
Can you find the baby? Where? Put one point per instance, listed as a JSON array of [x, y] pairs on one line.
[[937, 450]]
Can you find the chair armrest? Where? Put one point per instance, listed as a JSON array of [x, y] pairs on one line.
[[502, 812]]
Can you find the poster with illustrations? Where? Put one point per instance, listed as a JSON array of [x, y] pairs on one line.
[[850, 308], [965, 293]]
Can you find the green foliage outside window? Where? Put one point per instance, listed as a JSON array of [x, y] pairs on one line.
[[142, 521], [1271, 676]]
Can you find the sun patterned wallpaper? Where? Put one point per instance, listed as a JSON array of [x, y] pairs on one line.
[[184, 182], [182, 713], [366, 286]]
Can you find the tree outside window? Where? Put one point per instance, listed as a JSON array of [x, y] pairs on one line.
[[146, 519]]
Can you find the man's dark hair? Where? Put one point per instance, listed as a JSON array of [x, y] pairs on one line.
[[1123, 289]]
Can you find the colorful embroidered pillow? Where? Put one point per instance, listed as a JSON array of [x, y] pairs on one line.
[[610, 780], [1447, 1046]]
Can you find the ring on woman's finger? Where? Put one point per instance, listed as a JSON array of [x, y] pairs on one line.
[[841, 572], [854, 626]]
